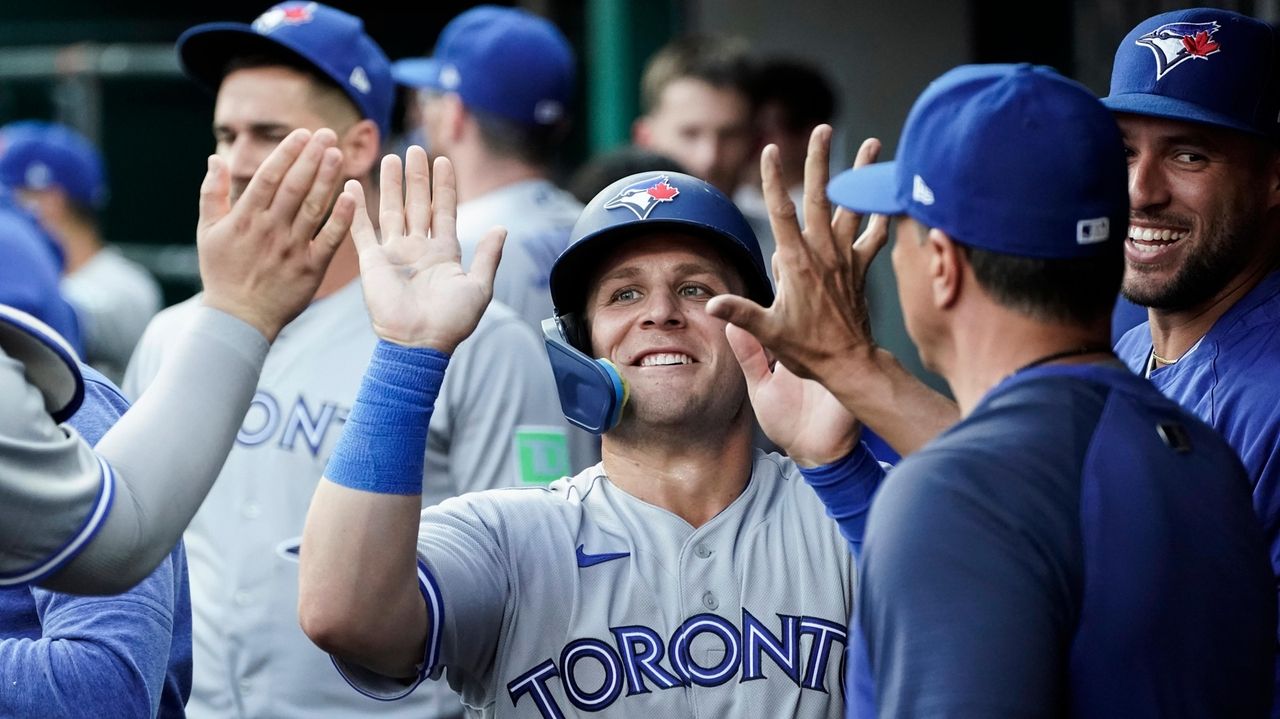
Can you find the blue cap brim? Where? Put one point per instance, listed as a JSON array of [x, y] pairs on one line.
[[417, 72], [867, 189], [205, 50], [1173, 109]]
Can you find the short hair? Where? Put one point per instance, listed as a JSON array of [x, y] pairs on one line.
[[605, 169], [1079, 290], [324, 89], [802, 91], [717, 61], [532, 145]]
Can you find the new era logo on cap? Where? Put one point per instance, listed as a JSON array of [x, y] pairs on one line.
[[642, 197], [1177, 42], [920, 192], [360, 80]]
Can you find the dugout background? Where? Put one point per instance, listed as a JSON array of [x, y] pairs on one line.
[[112, 73]]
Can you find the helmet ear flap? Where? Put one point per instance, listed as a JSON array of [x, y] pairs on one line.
[[574, 328]]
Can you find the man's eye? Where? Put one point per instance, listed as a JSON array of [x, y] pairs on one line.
[[694, 291], [1189, 157], [626, 295]]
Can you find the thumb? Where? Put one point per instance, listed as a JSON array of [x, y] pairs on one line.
[[215, 193], [750, 355], [739, 311], [484, 267]]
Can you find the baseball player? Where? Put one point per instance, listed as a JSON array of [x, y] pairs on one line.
[[1071, 492], [59, 174], [309, 65], [87, 522], [663, 580], [1195, 93], [495, 97]]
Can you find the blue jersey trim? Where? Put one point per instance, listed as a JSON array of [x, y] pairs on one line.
[[435, 608], [90, 527]]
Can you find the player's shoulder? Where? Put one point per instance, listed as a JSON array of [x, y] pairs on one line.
[[170, 320], [498, 330]]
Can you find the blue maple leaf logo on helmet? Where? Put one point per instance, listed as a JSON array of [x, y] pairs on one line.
[[1177, 42], [641, 197]]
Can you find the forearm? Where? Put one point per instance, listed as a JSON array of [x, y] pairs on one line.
[[168, 450], [876, 388], [359, 596], [847, 487]]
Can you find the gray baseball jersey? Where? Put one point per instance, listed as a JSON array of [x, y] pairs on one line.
[[581, 598], [114, 298], [497, 423], [538, 217]]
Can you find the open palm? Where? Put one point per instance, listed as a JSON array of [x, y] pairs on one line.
[[415, 288], [799, 415]]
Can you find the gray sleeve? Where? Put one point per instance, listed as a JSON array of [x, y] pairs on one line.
[[466, 582], [168, 449], [504, 413], [52, 490], [962, 598]]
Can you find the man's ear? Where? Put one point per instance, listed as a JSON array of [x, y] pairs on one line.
[[641, 132], [947, 265], [361, 147]]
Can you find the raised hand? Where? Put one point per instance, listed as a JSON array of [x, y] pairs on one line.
[[261, 259], [818, 321], [417, 293], [799, 415]]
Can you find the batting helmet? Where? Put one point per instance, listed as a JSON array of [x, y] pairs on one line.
[[592, 392]]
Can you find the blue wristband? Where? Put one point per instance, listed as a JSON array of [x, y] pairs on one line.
[[846, 487], [385, 438]]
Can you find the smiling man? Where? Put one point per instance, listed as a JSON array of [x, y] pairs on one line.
[[1197, 94], [687, 574]]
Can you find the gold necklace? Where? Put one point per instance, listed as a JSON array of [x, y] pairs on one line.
[[1160, 359]]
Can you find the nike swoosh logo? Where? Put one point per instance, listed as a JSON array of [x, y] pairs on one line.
[[591, 560]]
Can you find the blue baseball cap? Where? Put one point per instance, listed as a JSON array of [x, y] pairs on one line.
[[329, 40], [1202, 65], [505, 61], [656, 201], [38, 155], [1014, 159]]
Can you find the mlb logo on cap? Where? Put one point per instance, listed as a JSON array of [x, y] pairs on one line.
[[1014, 159], [1203, 65], [505, 61]]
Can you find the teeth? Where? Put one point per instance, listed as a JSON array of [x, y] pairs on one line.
[[1148, 234], [664, 358]]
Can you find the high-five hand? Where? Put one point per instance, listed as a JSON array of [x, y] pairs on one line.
[[818, 320], [417, 293], [261, 259]]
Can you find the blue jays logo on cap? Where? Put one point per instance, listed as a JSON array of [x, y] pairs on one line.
[[642, 197], [1177, 42], [284, 15]]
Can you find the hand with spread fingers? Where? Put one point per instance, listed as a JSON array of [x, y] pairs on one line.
[[818, 325], [261, 258], [799, 415], [416, 290]]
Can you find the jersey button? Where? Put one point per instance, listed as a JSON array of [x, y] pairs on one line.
[[702, 551], [252, 510], [709, 601], [242, 598]]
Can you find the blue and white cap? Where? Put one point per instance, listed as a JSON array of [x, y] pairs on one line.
[[1014, 159], [37, 155], [331, 41], [1202, 65], [505, 61]]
